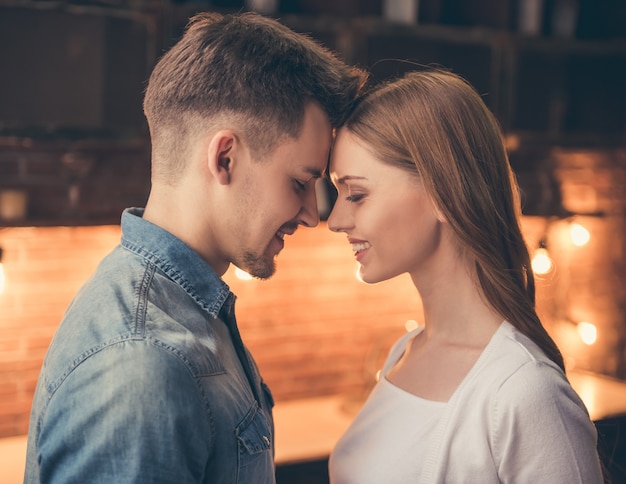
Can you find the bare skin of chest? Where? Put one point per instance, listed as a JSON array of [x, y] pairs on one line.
[[433, 370]]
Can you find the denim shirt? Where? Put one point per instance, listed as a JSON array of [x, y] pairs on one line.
[[147, 379]]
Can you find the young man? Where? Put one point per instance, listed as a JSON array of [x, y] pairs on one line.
[[147, 378]]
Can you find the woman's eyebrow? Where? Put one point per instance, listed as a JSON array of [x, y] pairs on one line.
[[347, 178]]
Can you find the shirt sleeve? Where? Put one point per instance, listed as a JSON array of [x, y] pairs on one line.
[[130, 412], [542, 432]]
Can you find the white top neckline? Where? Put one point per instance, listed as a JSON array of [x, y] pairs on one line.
[[394, 358]]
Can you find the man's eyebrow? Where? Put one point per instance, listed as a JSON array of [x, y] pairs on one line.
[[314, 172]]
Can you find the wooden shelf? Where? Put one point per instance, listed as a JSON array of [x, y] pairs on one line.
[[549, 91]]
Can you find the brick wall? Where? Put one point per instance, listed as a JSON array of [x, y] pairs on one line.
[[43, 268], [75, 182], [588, 283], [315, 329]]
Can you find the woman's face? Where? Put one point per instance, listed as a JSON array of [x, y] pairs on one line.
[[384, 210]]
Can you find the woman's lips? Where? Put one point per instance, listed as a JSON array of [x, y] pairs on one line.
[[360, 248]]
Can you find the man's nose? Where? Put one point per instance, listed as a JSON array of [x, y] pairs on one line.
[[309, 215]]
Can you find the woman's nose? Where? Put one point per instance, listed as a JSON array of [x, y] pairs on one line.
[[337, 218]]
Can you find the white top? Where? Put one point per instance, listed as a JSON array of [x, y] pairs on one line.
[[513, 419]]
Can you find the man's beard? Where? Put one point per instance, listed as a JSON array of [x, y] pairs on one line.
[[259, 266]]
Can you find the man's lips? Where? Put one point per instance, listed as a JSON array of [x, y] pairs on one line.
[[280, 236], [285, 231]]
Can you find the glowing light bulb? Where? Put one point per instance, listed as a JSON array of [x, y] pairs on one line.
[[588, 332], [241, 274], [410, 325], [579, 234], [541, 262]]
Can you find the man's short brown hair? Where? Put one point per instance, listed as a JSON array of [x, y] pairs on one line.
[[248, 69]]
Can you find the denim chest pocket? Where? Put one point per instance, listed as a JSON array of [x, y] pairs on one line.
[[254, 440]]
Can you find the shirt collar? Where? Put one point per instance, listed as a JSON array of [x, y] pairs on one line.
[[176, 259]]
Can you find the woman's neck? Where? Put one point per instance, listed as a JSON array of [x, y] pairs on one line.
[[455, 309]]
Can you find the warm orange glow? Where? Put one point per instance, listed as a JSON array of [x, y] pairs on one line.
[[2, 278], [579, 234], [587, 393], [49, 264], [541, 263], [241, 274], [358, 274], [570, 362]]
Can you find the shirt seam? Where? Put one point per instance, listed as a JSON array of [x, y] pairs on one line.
[[213, 308]]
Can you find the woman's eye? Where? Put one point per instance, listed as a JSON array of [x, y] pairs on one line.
[[355, 198], [300, 185]]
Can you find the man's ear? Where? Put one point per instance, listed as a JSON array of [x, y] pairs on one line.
[[220, 155]]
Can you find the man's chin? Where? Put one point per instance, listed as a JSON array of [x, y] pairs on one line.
[[263, 276], [260, 268]]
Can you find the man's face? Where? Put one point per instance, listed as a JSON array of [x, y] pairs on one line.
[[277, 194]]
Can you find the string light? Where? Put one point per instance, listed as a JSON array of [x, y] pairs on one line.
[[565, 233], [588, 332], [579, 235], [541, 263]]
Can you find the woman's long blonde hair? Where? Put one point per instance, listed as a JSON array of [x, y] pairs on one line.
[[436, 124]]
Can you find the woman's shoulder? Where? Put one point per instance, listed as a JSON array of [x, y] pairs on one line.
[[512, 363], [398, 348], [521, 372], [513, 349]]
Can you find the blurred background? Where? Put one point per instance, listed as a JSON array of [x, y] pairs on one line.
[[74, 152]]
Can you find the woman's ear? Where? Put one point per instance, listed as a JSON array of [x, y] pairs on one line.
[[219, 155], [439, 214]]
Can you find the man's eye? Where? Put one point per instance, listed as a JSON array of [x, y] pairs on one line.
[[300, 185]]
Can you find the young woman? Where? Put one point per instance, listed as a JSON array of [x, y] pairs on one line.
[[478, 394]]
